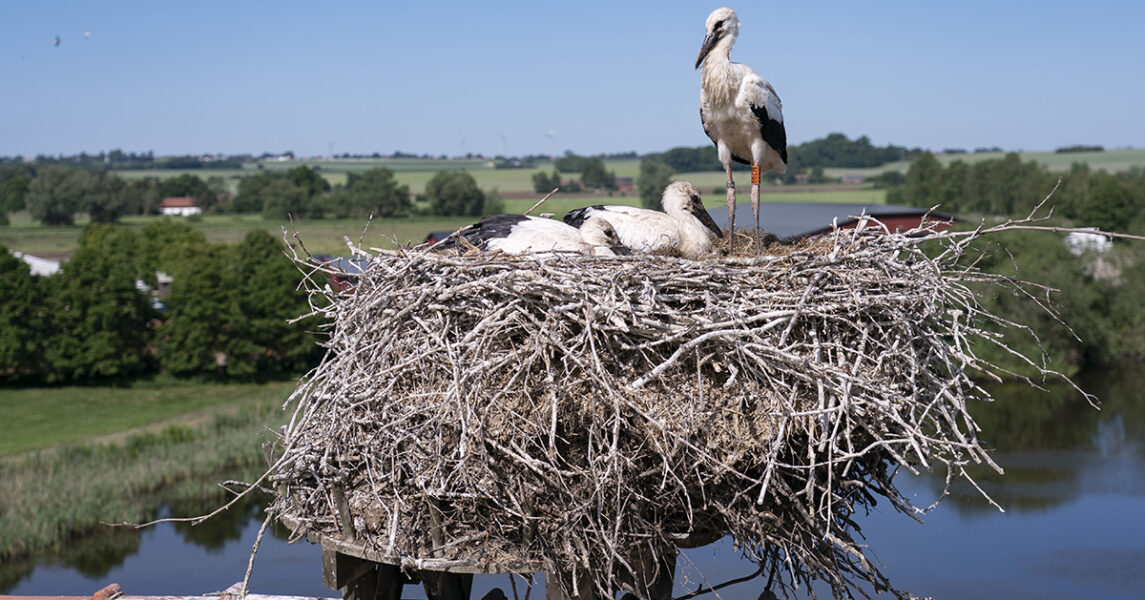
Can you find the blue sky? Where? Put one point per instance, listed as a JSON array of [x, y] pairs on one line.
[[443, 78]]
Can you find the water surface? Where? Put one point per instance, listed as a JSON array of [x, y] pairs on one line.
[[1073, 493]]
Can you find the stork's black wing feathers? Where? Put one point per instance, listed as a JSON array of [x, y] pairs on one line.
[[774, 134], [492, 226], [577, 217]]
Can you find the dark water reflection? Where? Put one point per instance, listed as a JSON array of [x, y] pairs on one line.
[[1073, 490]]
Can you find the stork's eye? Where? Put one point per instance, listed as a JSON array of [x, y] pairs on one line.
[[719, 25]]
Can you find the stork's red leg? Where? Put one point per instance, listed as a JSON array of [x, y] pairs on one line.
[[731, 208]]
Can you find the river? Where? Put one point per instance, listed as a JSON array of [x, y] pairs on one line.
[[1073, 493]]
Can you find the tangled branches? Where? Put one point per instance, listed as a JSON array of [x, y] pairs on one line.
[[577, 415]]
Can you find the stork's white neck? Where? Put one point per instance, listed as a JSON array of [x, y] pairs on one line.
[[717, 76]]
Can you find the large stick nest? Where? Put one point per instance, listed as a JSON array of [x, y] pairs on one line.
[[569, 413]]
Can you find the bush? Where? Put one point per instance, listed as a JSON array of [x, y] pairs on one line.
[[454, 193]]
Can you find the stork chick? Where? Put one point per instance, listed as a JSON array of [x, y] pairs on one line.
[[684, 226], [520, 234], [740, 112]]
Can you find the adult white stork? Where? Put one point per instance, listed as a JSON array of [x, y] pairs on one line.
[[520, 234], [740, 111], [684, 226]]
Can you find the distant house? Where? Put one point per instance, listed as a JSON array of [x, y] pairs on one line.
[[1079, 243], [182, 206], [39, 266], [625, 184], [794, 221], [854, 178]]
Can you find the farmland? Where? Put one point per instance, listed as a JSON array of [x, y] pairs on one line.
[[327, 236]]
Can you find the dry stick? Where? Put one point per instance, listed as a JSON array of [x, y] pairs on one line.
[[541, 201], [250, 563], [719, 586]]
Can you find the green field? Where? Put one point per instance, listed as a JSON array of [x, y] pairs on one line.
[[72, 458], [416, 172], [327, 236], [35, 418]]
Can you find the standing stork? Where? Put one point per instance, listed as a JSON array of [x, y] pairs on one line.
[[740, 111]]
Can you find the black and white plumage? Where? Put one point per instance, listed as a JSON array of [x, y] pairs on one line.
[[520, 234], [739, 109], [684, 226]]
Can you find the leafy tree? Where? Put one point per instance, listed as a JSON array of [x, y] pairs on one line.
[[1111, 206], [543, 183], [265, 283], [12, 192], [22, 317], [230, 310], [281, 199], [185, 185], [108, 200], [570, 163], [654, 177], [887, 179], [57, 193], [685, 160], [99, 318], [169, 245], [142, 197], [454, 193], [594, 175], [374, 192], [219, 194], [249, 198], [200, 324], [309, 179], [923, 182]]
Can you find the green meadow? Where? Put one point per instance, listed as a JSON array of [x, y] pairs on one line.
[[72, 458], [327, 236]]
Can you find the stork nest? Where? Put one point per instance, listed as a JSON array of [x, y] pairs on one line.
[[574, 414]]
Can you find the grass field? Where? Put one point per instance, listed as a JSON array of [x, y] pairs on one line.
[[35, 418], [327, 236], [91, 460], [415, 172]]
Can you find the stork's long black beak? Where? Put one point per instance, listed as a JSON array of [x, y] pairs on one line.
[[705, 218], [709, 43]]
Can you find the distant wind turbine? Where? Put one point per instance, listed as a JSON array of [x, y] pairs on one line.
[[552, 135], [504, 145]]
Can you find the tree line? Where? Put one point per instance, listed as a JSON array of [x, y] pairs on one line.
[[1008, 187], [1097, 293], [593, 175], [225, 316], [55, 194], [835, 150]]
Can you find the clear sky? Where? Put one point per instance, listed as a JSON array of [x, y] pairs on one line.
[[449, 78]]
